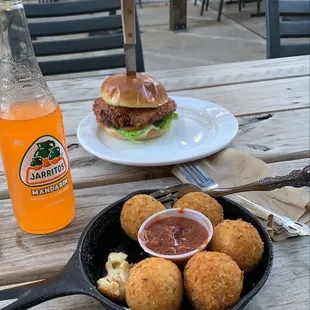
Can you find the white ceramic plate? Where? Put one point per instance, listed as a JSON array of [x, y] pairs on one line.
[[203, 128]]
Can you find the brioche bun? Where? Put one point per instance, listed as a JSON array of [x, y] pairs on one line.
[[133, 91], [151, 134]]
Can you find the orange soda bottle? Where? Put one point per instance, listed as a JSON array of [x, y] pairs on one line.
[[32, 139]]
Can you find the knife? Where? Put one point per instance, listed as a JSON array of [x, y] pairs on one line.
[[129, 33]]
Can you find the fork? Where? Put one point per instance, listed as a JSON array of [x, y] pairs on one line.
[[196, 175], [201, 181]]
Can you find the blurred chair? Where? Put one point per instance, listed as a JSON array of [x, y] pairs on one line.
[[50, 1], [106, 35], [287, 19], [205, 3]]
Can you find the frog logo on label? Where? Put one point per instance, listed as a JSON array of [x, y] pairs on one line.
[[44, 162]]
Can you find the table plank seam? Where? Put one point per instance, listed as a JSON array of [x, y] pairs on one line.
[[176, 90]]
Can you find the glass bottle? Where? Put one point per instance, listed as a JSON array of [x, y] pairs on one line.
[[32, 139]]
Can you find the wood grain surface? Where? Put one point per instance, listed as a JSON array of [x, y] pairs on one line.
[[273, 118], [271, 101], [83, 89], [26, 257], [241, 100], [286, 289]]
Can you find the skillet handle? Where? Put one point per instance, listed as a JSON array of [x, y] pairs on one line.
[[69, 281]]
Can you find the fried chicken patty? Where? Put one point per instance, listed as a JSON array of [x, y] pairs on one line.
[[119, 117]]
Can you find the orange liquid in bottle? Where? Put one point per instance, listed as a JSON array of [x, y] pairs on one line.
[[35, 160]]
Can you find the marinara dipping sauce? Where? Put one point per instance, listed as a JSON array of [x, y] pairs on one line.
[[175, 234]]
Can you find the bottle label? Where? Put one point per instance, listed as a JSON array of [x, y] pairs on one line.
[[44, 162]]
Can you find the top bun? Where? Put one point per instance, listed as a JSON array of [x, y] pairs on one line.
[[133, 91]]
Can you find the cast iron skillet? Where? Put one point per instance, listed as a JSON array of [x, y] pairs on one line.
[[104, 235]]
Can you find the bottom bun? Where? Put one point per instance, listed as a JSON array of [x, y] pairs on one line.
[[153, 133]]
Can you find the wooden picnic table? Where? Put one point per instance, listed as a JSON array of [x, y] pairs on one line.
[[270, 98]]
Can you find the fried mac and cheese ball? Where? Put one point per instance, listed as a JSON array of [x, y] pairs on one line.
[[213, 281], [240, 240], [154, 284], [204, 204], [135, 211]]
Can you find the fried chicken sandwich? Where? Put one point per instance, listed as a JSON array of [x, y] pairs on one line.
[[134, 107]]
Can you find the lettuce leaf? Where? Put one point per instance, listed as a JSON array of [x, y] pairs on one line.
[[166, 122], [133, 135]]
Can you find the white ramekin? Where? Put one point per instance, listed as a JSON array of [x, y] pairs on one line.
[[176, 212]]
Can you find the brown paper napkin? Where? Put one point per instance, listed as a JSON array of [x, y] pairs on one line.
[[232, 167]]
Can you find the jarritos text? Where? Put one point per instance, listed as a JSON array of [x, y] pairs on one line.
[[44, 163]]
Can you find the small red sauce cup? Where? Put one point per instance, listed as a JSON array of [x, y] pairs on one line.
[[179, 213]]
